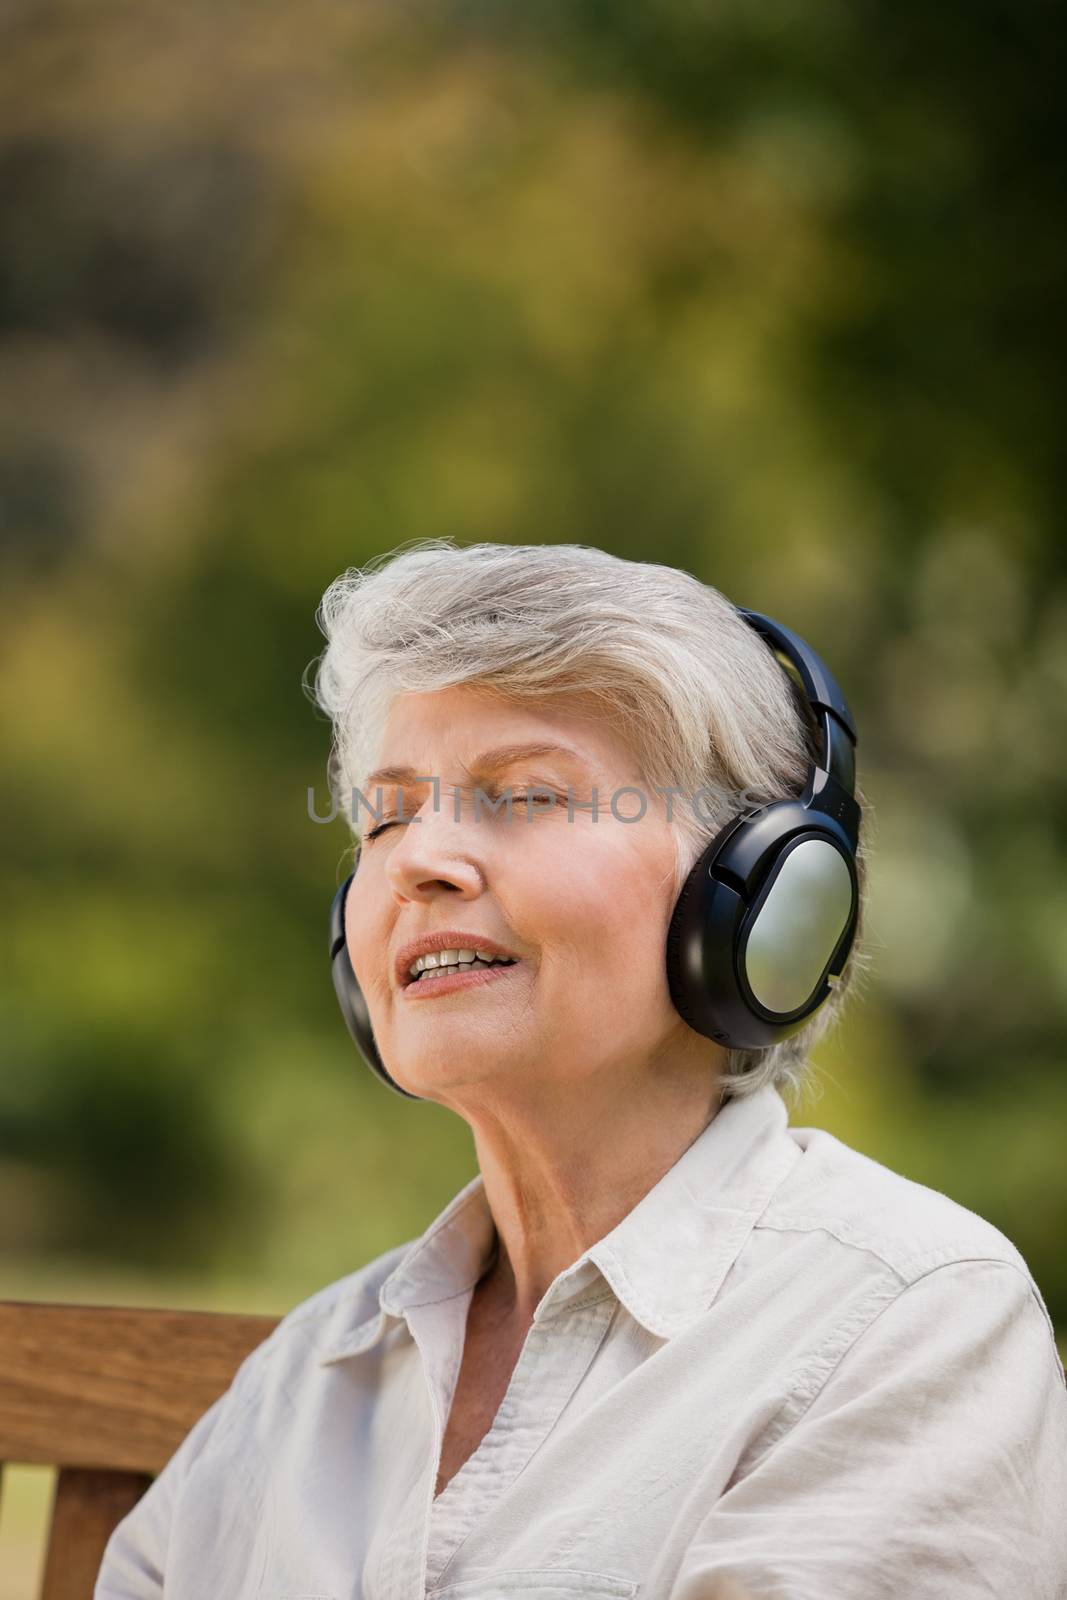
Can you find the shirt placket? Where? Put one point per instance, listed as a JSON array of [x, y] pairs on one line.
[[557, 1353], [437, 1331]]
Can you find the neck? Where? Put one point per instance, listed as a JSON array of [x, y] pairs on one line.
[[557, 1185]]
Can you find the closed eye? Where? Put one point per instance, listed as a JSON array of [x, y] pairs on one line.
[[395, 822], [374, 832]]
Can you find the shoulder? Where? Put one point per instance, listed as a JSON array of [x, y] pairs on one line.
[[313, 1327], [876, 1257], [326, 1316], [330, 1311], [869, 1209]]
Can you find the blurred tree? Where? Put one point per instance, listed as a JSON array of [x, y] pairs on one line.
[[765, 292]]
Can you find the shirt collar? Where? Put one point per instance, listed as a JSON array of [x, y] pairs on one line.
[[665, 1260]]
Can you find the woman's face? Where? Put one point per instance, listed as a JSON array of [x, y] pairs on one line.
[[582, 904]]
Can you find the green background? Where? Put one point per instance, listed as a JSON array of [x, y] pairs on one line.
[[763, 291]]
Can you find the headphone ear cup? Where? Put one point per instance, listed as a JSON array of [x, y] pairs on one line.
[[350, 996], [679, 977], [701, 974], [800, 927], [749, 972]]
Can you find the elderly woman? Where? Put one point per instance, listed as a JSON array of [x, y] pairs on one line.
[[664, 1344]]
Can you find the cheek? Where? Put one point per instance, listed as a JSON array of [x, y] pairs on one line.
[[365, 950], [564, 888], [602, 911]]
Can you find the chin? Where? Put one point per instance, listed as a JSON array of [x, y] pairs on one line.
[[447, 1066]]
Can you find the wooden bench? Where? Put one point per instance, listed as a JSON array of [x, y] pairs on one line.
[[106, 1394]]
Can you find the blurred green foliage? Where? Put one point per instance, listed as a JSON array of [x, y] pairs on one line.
[[762, 291]]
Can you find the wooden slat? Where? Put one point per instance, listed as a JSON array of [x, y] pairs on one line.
[[112, 1386], [86, 1507]]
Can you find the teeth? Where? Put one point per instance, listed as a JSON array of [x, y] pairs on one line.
[[429, 973], [436, 962]]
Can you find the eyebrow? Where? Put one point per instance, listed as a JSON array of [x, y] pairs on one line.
[[504, 755]]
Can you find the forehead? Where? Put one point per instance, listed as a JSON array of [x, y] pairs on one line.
[[453, 729]]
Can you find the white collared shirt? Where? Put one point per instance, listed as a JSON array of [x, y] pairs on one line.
[[787, 1363]]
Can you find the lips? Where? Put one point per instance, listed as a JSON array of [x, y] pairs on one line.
[[446, 939], [458, 979]]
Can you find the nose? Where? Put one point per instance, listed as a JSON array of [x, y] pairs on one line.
[[434, 855]]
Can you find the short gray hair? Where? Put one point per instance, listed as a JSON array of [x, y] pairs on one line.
[[667, 660]]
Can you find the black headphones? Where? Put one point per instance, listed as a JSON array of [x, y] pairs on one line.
[[766, 918]]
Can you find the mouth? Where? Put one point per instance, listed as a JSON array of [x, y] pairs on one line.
[[440, 981]]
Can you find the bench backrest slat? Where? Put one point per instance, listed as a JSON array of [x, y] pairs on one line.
[[106, 1394]]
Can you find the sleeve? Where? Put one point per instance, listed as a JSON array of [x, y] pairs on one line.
[[931, 1463], [135, 1557]]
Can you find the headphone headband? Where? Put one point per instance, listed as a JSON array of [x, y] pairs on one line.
[[820, 685], [834, 722]]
